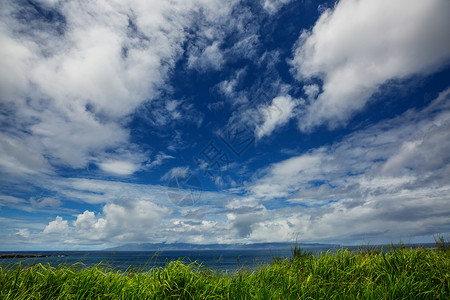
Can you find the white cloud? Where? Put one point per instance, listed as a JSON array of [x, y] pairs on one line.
[[13, 59], [126, 222], [119, 167], [123, 161], [226, 31], [287, 176], [24, 232], [277, 114], [85, 221], [134, 220], [229, 88], [360, 45], [70, 140], [57, 226], [22, 154], [90, 227], [311, 90]]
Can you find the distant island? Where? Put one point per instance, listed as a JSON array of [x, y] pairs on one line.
[[187, 246]]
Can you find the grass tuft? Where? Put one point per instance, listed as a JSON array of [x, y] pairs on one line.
[[399, 272], [441, 243]]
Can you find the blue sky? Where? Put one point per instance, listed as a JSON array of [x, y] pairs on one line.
[[223, 122]]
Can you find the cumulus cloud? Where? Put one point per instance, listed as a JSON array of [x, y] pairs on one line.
[[89, 227], [118, 222], [57, 226], [133, 221], [358, 46]]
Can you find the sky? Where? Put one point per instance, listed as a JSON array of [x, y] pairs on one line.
[[210, 121]]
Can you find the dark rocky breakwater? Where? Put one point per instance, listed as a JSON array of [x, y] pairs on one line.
[[28, 255]]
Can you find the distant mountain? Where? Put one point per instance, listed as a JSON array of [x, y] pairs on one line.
[[186, 246]]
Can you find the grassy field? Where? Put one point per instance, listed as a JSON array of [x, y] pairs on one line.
[[370, 274]]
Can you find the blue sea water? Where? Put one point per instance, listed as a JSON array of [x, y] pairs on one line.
[[217, 260]]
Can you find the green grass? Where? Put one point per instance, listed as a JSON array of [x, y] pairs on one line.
[[398, 273]]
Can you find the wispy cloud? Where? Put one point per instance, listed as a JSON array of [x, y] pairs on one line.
[[177, 172], [208, 58], [230, 88], [165, 113], [272, 6], [158, 160]]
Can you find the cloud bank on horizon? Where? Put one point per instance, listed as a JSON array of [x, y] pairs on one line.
[[276, 120]]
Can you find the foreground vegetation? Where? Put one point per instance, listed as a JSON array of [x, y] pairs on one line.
[[370, 274]]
